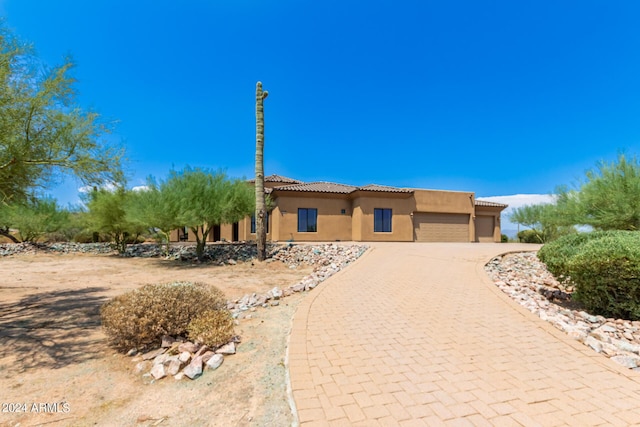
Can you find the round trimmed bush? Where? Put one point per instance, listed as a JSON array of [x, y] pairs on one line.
[[558, 253], [606, 273], [138, 319]]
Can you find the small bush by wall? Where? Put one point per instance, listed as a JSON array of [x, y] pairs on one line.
[[139, 319]]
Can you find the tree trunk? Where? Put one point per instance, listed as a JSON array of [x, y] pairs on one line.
[[5, 232], [201, 241], [261, 233]]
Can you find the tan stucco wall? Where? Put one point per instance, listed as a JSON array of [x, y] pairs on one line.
[[332, 224], [443, 201], [401, 223], [358, 220]]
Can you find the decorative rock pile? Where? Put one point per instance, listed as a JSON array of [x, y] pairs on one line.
[[218, 252], [222, 253], [328, 259], [7, 249], [179, 358], [525, 279]]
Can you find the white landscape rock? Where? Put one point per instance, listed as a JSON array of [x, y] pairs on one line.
[[174, 367], [276, 293], [188, 346], [215, 361], [525, 279], [193, 369], [153, 353], [229, 348], [158, 371]]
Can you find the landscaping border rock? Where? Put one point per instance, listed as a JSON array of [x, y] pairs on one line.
[[526, 279]]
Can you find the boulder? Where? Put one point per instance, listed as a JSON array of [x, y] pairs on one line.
[[188, 346], [206, 356], [158, 371], [276, 293], [226, 349], [215, 361], [174, 367], [193, 369], [153, 353]]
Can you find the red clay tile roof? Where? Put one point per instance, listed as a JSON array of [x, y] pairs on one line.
[[319, 187], [384, 188], [490, 204], [282, 179], [279, 178]]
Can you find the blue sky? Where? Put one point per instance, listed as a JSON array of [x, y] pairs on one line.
[[499, 97]]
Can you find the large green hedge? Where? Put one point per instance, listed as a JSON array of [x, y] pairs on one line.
[[557, 254], [604, 267]]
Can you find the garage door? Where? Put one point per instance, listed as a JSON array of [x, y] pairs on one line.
[[440, 227], [484, 228]]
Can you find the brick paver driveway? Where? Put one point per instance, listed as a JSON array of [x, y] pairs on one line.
[[416, 334]]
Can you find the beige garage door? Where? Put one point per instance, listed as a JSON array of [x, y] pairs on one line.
[[440, 227], [484, 228]]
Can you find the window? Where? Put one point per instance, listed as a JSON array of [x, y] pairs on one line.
[[382, 220], [183, 234], [253, 223], [307, 220]]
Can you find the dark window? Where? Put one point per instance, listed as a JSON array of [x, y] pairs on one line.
[[382, 220], [307, 220], [183, 234], [253, 223], [343, 211]]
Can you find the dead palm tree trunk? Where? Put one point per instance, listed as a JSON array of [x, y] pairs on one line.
[[261, 233]]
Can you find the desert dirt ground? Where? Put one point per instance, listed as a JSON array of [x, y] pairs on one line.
[[53, 351]]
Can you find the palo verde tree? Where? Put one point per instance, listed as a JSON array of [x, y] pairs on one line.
[[43, 131], [33, 219], [155, 207], [205, 199], [609, 198], [543, 220], [106, 214], [261, 211]]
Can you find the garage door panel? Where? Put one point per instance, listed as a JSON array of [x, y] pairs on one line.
[[484, 228], [441, 227]]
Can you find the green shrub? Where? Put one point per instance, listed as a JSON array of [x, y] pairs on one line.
[[212, 327], [504, 238], [557, 254], [132, 240], [606, 273], [139, 318], [529, 236]]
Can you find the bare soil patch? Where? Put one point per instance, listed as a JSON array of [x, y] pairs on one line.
[[57, 370]]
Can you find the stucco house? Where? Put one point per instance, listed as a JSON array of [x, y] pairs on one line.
[[326, 211]]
